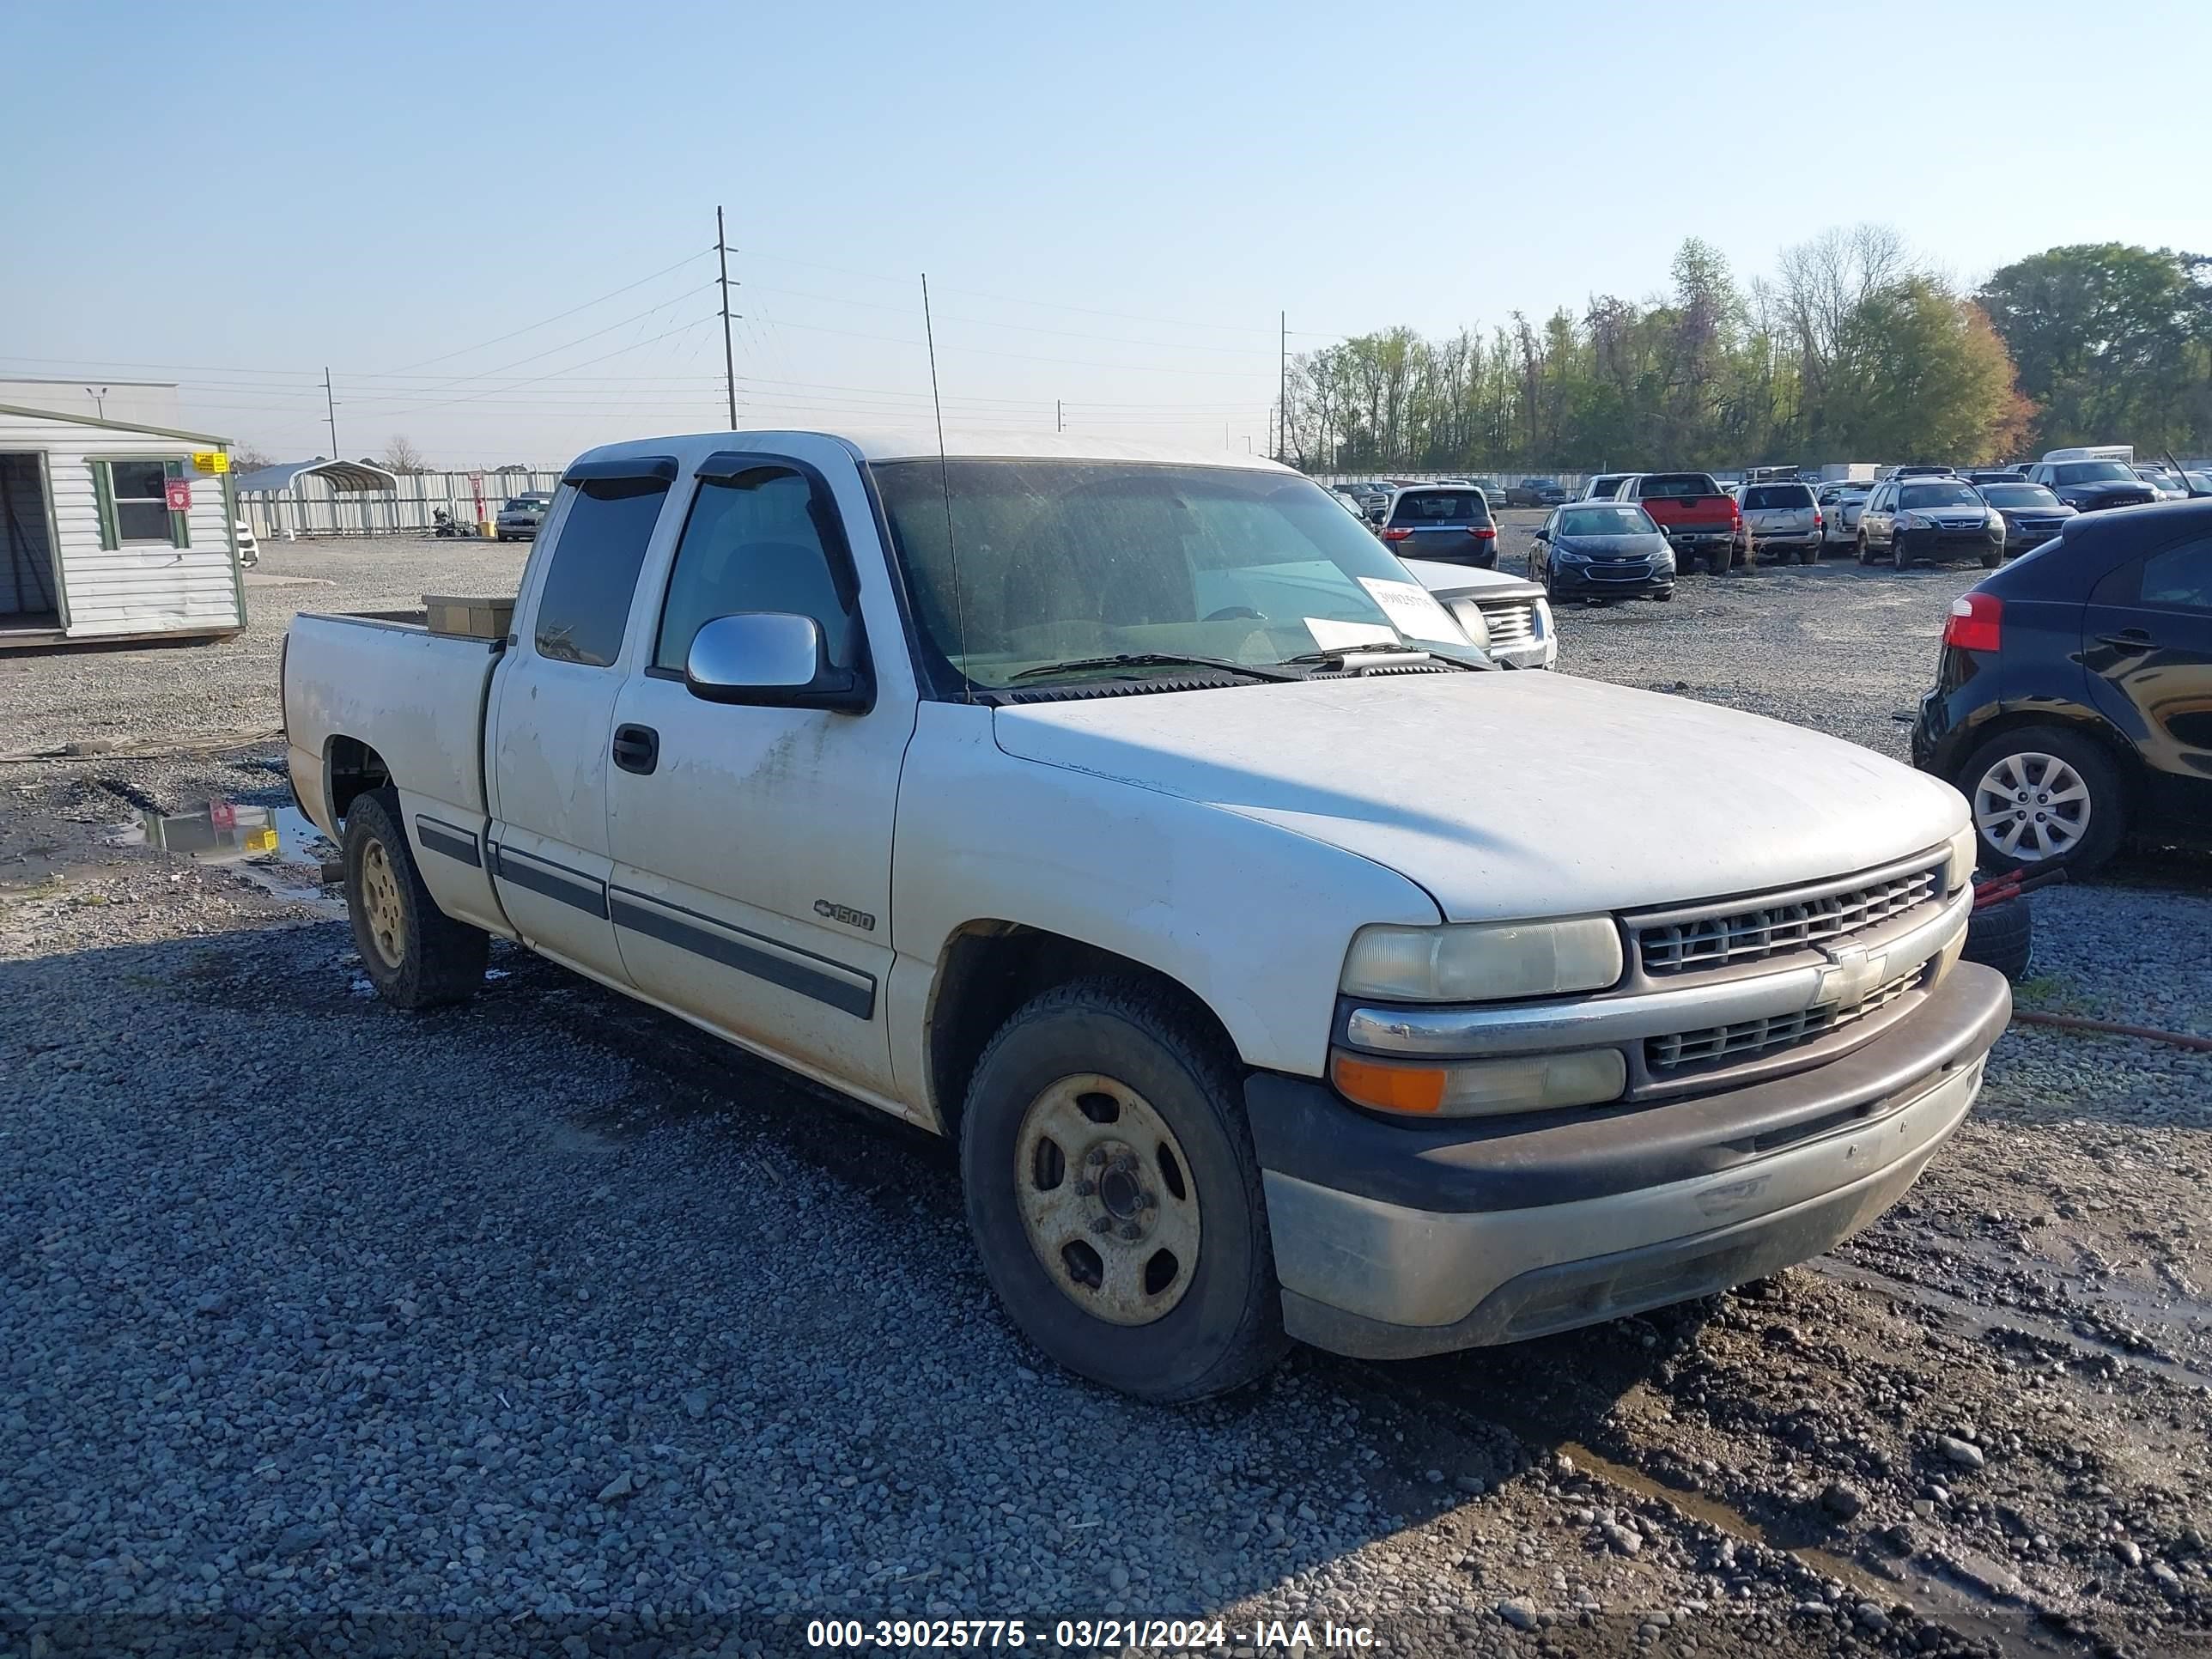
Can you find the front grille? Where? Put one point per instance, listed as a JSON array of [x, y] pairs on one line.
[[1752, 1038], [1511, 623], [1779, 922]]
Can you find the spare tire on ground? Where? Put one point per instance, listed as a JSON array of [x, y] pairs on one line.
[[2003, 936]]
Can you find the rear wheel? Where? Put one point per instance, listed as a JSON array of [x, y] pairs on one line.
[[1114, 1195], [1719, 559], [1809, 555], [413, 953], [2042, 797]]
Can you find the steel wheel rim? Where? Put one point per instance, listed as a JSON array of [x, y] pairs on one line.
[[380, 906], [1107, 1198], [2032, 806]]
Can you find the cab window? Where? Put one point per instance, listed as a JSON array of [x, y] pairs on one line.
[[754, 543]]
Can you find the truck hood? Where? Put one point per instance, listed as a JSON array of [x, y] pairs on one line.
[[1510, 795]]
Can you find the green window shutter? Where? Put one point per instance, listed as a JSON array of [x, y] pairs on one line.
[[103, 490], [181, 524]]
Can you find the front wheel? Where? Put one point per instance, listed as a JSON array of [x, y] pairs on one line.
[[413, 953], [1114, 1195], [1991, 561]]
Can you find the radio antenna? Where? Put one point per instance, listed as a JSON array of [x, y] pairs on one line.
[[945, 487]]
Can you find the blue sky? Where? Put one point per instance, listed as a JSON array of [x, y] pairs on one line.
[[1112, 204]]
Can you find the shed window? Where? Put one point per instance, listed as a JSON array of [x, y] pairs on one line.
[[141, 509]]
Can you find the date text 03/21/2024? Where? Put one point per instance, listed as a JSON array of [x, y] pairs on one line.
[[1085, 1635]]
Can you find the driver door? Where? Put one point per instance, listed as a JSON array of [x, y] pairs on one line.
[[752, 845]]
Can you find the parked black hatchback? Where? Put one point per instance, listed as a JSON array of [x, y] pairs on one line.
[[2073, 700]]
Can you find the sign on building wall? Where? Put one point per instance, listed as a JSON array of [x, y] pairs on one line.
[[180, 494]]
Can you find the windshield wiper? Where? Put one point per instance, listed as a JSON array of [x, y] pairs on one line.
[[1335, 656], [1153, 659]]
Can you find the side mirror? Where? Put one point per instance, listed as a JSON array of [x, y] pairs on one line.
[[1543, 534], [772, 659]]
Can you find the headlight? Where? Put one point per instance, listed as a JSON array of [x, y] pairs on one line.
[[1914, 521], [1568, 556], [1480, 1088], [1958, 862], [1468, 615], [1996, 522], [1483, 961]]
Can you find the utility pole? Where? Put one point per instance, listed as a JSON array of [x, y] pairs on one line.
[[330, 412], [1283, 389], [1059, 417], [729, 357]]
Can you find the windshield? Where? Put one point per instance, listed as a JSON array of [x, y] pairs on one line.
[[2018, 495], [1062, 560], [1933, 493], [1623, 520], [2074, 473], [1444, 506], [523, 504], [1668, 486]]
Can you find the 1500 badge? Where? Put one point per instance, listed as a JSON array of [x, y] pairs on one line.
[[846, 914]]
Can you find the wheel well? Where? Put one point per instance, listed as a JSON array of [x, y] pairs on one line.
[[353, 769], [991, 968]]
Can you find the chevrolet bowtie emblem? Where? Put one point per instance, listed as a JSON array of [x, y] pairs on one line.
[[1851, 974]]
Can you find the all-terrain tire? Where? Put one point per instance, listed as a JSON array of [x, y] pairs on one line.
[[1224, 1326], [413, 953]]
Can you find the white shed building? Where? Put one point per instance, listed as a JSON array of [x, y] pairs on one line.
[[97, 542]]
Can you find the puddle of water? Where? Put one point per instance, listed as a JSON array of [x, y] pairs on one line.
[[274, 848]]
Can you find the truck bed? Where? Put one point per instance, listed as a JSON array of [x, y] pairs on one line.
[[423, 694]]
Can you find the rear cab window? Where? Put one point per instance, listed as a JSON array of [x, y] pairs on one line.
[[1675, 486], [1416, 507], [584, 602]]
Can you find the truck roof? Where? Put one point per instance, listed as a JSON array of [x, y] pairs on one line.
[[914, 443]]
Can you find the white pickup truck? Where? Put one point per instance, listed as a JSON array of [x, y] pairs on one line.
[[1282, 967]]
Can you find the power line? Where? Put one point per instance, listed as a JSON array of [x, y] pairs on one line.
[[544, 322]]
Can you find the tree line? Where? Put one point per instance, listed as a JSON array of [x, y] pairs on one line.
[[1852, 351]]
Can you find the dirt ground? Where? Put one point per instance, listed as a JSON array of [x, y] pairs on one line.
[[1984, 1425]]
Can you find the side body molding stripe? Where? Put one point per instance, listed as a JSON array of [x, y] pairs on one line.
[[553, 880], [841, 987], [450, 840]]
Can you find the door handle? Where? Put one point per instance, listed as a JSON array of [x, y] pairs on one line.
[[2128, 638], [637, 748]]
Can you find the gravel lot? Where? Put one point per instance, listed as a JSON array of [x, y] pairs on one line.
[[547, 1325]]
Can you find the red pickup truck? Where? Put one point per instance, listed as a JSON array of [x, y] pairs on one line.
[[1695, 513]]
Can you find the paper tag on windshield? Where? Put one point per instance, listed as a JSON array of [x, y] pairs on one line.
[[1338, 635], [1413, 609]]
